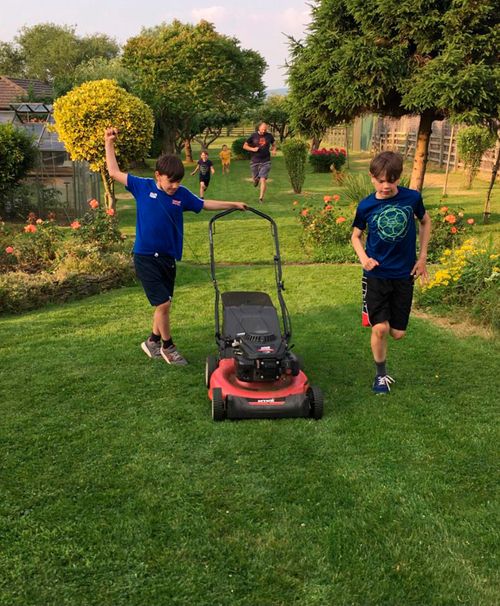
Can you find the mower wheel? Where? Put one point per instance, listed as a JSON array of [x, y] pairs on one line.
[[218, 408], [211, 366], [315, 396]]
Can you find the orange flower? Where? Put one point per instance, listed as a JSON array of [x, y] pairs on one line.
[[9, 250], [340, 220], [453, 230], [75, 225], [470, 221], [450, 219], [327, 199], [443, 209], [336, 198], [328, 207], [30, 229], [39, 221], [93, 203], [304, 212], [110, 212]]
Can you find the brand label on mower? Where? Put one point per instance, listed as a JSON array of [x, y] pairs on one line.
[[267, 402], [266, 349]]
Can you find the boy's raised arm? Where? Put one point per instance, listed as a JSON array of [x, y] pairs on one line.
[[111, 163]]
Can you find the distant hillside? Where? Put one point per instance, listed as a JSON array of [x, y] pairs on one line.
[[276, 91]]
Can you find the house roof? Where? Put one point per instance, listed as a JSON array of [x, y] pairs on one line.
[[13, 90]]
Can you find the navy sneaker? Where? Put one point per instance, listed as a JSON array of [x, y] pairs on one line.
[[382, 384]]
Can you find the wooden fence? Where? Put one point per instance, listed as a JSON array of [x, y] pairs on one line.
[[439, 144]]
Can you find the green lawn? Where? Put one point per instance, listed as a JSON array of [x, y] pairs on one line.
[[118, 489]]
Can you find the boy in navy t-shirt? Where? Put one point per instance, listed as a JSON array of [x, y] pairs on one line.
[[389, 262], [160, 204]]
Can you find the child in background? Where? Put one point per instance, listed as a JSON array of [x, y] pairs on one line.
[[225, 158], [206, 170]]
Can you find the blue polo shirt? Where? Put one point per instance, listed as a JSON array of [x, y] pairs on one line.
[[159, 222], [392, 235]]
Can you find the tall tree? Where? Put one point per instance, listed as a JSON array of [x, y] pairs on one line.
[[435, 58], [52, 53], [11, 60], [186, 70]]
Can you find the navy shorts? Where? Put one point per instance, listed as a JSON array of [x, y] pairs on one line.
[[157, 276], [387, 300]]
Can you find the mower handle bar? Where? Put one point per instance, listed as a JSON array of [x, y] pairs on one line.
[[287, 329]]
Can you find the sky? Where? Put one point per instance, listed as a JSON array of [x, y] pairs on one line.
[[260, 25]]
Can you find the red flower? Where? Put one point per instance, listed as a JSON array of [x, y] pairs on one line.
[[93, 203], [30, 229], [304, 212], [110, 212], [470, 221], [453, 230], [450, 219], [443, 209], [328, 207], [336, 198], [39, 221], [75, 225], [340, 220], [327, 199], [9, 250], [31, 217]]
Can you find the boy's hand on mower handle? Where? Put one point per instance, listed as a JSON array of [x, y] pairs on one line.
[[240, 205]]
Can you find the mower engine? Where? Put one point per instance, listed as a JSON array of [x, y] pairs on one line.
[[262, 358]]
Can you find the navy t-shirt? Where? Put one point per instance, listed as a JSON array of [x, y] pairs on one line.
[[205, 169], [264, 143], [159, 223], [392, 235]]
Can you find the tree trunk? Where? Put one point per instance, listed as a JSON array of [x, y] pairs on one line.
[[168, 143], [421, 151], [315, 143], [109, 189], [494, 172], [188, 150]]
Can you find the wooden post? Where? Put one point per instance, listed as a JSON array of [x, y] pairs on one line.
[[494, 172], [445, 186]]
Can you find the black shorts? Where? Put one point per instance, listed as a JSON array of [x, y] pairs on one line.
[[157, 276], [205, 180], [387, 301]]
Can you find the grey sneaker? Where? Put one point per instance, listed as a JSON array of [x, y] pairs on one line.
[[151, 348], [172, 356]]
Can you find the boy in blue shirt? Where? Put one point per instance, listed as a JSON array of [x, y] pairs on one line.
[[160, 204], [389, 262]]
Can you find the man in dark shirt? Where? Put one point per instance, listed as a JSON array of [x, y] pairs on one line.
[[260, 144]]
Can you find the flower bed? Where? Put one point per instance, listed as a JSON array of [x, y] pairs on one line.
[[43, 263], [327, 230], [324, 160], [467, 277]]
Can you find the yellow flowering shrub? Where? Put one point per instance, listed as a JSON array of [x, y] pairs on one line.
[[467, 276], [82, 115]]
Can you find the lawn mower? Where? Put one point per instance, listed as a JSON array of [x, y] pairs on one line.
[[255, 375]]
